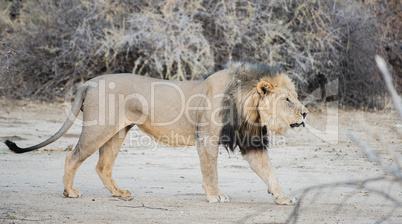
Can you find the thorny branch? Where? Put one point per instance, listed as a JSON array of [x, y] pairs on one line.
[[394, 172]]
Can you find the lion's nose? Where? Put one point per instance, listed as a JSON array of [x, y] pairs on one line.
[[304, 114]]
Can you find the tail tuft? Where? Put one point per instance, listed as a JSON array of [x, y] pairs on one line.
[[13, 147]]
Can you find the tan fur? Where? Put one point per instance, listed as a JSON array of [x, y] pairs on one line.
[[259, 96], [259, 162], [275, 112], [114, 103]]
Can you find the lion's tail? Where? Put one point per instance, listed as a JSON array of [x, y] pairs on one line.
[[67, 125]]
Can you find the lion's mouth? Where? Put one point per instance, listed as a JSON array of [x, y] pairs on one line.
[[297, 125]]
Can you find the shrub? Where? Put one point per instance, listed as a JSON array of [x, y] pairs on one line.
[[62, 42]]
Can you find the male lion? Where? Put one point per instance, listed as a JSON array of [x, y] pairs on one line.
[[236, 107]]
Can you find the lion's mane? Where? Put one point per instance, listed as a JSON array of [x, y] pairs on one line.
[[240, 115]]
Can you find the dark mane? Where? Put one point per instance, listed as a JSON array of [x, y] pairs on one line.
[[240, 130]]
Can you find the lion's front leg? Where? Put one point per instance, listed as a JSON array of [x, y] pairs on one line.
[[209, 167], [259, 162]]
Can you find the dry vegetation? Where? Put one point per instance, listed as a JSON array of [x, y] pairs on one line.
[[392, 167], [50, 45]]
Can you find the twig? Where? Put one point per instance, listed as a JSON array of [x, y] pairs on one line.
[[371, 155], [367, 150], [360, 184], [10, 50], [394, 171], [14, 51], [22, 219], [386, 216], [388, 81], [143, 206]]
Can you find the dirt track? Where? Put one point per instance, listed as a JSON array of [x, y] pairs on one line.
[[167, 182]]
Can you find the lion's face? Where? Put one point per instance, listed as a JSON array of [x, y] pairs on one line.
[[279, 107], [260, 100]]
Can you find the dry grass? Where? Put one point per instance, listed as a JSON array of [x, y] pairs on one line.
[[62, 42]]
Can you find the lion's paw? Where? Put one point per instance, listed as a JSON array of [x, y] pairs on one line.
[[285, 200], [74, 193], [219, 198], [123, 193]]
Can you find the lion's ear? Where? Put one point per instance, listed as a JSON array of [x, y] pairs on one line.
[[263, 87]]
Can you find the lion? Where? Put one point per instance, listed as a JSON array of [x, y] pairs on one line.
[[237, 107]]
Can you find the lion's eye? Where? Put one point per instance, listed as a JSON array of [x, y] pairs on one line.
[[287, 99]]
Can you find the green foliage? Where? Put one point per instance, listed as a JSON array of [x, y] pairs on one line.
[[62, 42]]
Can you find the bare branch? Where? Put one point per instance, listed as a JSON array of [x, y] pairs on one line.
[[388, 81], [395, 171], [11, 50], [360, 184], [144, 206], [371, 155]]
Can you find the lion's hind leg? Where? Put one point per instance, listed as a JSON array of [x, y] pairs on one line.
[[90, 141], [107, 156]]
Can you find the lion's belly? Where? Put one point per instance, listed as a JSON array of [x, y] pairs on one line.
[[168, 137]]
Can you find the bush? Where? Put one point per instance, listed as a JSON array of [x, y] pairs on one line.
[[62, 42]]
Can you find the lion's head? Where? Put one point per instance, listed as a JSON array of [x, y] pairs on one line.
[[259, 100]]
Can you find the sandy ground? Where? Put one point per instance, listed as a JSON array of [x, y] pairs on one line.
[[167, 181]]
